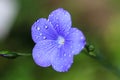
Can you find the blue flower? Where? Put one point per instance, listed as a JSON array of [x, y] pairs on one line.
[[56, 41]]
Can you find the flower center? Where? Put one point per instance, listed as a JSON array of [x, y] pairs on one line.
[[60, 40]]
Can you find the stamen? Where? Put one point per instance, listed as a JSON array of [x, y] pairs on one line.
[[60, 40]]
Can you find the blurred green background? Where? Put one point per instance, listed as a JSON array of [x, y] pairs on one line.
[[98, 19]]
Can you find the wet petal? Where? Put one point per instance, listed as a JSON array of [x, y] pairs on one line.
[[61, 20], [42, 30], [62, 61], [43, 52], [75, 41]]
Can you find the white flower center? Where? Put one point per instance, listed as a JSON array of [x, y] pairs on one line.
[[60, 40]]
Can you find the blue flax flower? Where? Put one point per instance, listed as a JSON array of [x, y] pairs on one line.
[[56, 41]]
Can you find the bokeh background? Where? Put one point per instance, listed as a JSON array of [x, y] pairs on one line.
[[98, 19]]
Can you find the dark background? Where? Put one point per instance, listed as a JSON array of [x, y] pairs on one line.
[[98, 19]]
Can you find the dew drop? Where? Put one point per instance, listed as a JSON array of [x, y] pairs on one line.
[[67, 25], [40, 34], [46, 27], [67, 33], [82, 47], [56, 17], [54, 66], [65, 14], [38, 28], [57, 25], [81, 37], [68, 66], [44, 37], [64, 54], [69, 55], [37, 37], [72, 51], [37, 21], [51, 15]]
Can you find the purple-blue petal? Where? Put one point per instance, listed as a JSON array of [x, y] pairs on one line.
[[75, 41], [61, 20], [62, 61], [44, 51], [43, 30]]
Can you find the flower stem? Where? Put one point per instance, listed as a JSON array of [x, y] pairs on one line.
[[12, 55], [98, 57]]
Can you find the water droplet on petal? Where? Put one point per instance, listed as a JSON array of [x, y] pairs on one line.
[[67, 33], [54, 66], [37, 37], [46, 27], [57, 25], [37, 21], [81, 37], [44, 37], [38, 28], [51, 15], [67, 25], [64, 54], [68, 66], [72, 51], [40, 34], [65, 15], [82, 47], [69, 55]]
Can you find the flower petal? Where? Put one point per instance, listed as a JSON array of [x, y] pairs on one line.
[[75, 41], [62, 61], [61, 20], [43, 52], [42, 30]]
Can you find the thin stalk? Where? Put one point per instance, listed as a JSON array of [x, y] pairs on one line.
[[99, 58]]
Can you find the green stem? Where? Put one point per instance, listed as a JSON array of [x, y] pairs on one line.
[[98, 57], [12, 55]]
